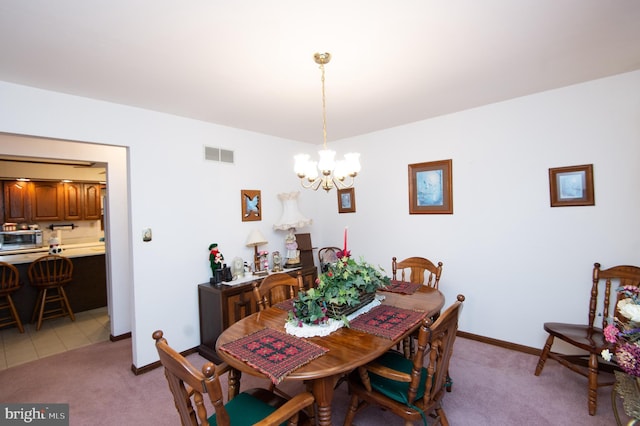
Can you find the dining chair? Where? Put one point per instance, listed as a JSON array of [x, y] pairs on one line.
[[252, 407], [49, 275], [417, 268], [410, 388], [327, 256], [276, 288], [9, 284], [589, 337]]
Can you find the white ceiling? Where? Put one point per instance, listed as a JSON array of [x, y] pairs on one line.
[[249, 63]]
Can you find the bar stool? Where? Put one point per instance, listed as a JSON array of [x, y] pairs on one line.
[[49, 274], [9, 283]]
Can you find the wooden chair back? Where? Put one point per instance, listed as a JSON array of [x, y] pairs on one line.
[[276, 288], [9, 283], [326, 256], [50, 271], [187, 383], [435, 343], [408, 390], [9, 278], [605, 305], [417, 267]]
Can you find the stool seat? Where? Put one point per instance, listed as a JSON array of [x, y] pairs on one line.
[[9, 283], [49, 274]]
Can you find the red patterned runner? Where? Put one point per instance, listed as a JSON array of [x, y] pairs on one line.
[[386, 321], [273, 353], [285, 305], [402, 287]]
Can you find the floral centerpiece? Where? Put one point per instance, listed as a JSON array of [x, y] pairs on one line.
[[624, 333], [340, 290]]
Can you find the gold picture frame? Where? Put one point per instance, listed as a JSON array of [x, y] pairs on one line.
[[346, 200], [431, 188], [571, 186], [251, 202]]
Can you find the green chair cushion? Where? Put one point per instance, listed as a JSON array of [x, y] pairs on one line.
[[245, 409], [391, 388]]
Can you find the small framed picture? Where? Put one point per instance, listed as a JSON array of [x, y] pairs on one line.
[[251, 201], [346, 200], [430, 188], [571, 186]]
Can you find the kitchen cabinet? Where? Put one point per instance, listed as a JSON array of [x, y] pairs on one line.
[[46, 201], [50, 201], [222, 305], [17, 204], [92, 207], [81, 201]]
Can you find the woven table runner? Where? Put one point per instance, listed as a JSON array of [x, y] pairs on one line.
[[387, 321], [402, 287], [285, 305], [273, 353]]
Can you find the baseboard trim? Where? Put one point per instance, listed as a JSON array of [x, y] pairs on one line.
[[146, 368], [120, 337], [501, 343]]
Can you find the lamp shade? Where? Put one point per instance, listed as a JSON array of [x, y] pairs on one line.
[[291, 216], [256, 239]]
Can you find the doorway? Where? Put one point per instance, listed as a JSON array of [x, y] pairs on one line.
[[118, 259]]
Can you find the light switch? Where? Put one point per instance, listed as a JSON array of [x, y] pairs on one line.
[[146, 234]]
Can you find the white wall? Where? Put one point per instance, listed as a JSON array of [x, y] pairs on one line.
[[518, 261], [165, 184]]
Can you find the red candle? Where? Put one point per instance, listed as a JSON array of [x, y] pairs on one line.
[[345, 240]]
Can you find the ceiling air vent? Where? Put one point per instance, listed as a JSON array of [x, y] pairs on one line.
[[217, 154]]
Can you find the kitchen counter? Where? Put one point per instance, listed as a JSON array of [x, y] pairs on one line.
[[87, 290], [16, 257]]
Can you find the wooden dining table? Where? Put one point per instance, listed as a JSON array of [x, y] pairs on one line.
[[347, 348]]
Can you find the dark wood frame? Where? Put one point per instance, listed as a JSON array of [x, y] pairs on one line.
[[250, 216], [585, 186], [343, 208], [446, 187]]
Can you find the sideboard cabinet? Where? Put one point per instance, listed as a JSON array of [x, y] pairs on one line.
[[222, 305]]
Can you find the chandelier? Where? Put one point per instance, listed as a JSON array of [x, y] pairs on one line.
[[326, 173]]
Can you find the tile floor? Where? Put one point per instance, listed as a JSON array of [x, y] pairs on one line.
[[55, 336]]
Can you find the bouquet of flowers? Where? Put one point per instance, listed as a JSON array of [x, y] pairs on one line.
[[624, 332]]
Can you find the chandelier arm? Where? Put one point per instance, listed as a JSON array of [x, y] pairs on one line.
[[314, 184]]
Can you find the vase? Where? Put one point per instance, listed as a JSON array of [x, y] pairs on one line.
[[338, 311]]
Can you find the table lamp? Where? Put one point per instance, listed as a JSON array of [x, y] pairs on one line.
[[290, 220], [254, 240]]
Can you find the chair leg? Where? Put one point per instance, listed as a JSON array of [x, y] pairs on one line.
[[593, 384], [14, 314], [544, 355], [449, 383], [39, 310], [351, 412], [66, 303]]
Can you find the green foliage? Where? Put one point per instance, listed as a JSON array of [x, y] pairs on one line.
[[346, 279], [342, 284]]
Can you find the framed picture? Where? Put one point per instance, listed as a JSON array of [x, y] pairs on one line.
[[430, 188], [251, 201], [347, 200], [571, 186]]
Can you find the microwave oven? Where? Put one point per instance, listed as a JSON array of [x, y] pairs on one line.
[[18, 240]]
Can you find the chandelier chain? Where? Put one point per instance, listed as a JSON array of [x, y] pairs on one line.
[[324, 111]]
